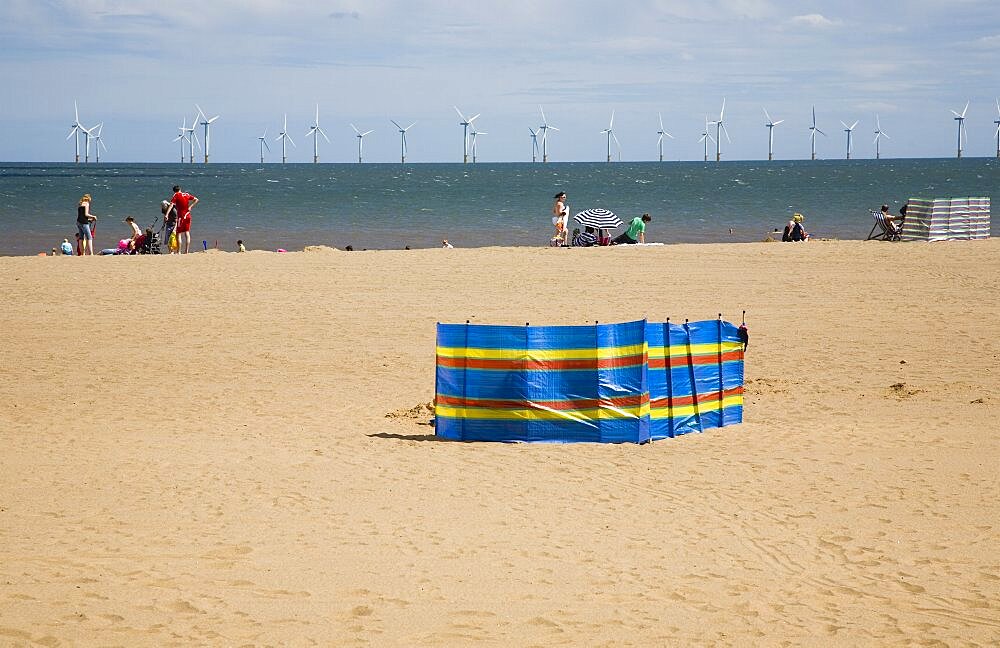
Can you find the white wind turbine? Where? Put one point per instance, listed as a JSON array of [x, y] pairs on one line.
[[770, 134], [316, 131], [98, 142], [997, 122], [879, 134], [661, 133], [263, 145], [465, 123], [544, 130], [610, 132], [705, 137], [402, 139], [850, 131], [182, 138], [75, 129], [361, 140], [187, 135], [206, 123], [284, 137], [812, 134], [474, 133], [720, 128], [961, 127], [534, 144], [89, 135]]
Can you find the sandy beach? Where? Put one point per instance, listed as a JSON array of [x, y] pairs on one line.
[[232, 450]]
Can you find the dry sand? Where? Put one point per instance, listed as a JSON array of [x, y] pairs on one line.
[[196, 451]]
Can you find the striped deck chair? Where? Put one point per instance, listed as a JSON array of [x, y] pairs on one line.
[[882, 230]]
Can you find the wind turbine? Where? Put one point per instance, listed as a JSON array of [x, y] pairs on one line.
[[705, 137], [88, 133], [402, 140], [182, 138], [812, 134], [961, 127], [361, 140], [720, 128], [316, 131], [465, 123], [534, 144], [98, 142], [475, 134], [206, 123], [879, 134], [544, 130], [610, 132], [849, 130], [661, 133], [75, 129], [283, 136], [263, 145], [997, 122], [770, 134]]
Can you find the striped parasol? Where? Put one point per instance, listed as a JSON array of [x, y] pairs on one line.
[[598, 218]]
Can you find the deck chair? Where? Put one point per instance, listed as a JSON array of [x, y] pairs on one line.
[[882, 230]]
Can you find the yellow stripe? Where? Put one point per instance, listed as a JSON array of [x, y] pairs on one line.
[[676, 350], [689, 410], [528, 414], [541, 354]]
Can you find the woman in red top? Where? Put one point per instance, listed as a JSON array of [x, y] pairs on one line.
[[183, 202]]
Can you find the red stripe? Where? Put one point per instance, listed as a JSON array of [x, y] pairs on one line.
[[542, 365], [582, 403], [682, 361], [680, 401]]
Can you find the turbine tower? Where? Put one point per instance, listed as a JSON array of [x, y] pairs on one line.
[[849, 130], [316, 131], [284, 137], [472, 145], [88, 135], [812, 134], [997, 122], [661, 133], [879, 134], [534, 144], [206, 123], [465, 123], [610, 132], [770, 134], [361, 140], [75, 129], [961, 127], [263, 145], [402, 140], [705, 137], [98, 142], [182, 138], [544, 130], [720, 128]]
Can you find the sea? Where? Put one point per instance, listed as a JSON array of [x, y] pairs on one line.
[[394, 206]]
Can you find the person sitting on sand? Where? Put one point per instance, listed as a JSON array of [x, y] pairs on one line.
[[794, 231], [240, 247], [587, 238], [446, 244], [66, 248], [636, 232]]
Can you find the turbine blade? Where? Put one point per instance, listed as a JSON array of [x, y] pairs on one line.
[[723, 111], [460, 113], [966, 108], [396, 125], [200, 111], [777, 122], [660, 115], [726, 133], [768, 117], [410, 126], [266, 145], [854, 125], [474, 117], [321, 132], [355, 129], [668, 134], [367, 132]]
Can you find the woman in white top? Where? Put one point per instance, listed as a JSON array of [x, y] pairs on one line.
[[560, 218]]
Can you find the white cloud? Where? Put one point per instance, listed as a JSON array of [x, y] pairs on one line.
[[814, 20]]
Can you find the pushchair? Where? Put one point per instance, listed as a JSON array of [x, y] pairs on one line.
[[149, 242]]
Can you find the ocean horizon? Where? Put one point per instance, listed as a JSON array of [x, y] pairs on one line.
[[391, 206]]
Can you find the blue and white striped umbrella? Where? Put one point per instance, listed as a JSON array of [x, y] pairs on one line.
[[599, 218]]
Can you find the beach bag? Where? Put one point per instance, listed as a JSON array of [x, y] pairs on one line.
[[172, 242]]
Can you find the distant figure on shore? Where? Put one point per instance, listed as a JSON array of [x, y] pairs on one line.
[[446, 244], [894, 224], [66, 248], [136, 232], [85, 223], [560, 219], [794, 231], [636, 232], [183, 203], [240, 247], [169, 224], [587, 238]]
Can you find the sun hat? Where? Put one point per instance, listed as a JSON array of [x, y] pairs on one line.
[[797, 218]]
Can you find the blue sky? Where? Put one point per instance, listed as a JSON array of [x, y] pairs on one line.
[[141, 65]]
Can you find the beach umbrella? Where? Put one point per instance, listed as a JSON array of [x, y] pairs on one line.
[[598, 218]]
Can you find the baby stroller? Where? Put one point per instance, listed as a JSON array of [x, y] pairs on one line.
[[149, 242]]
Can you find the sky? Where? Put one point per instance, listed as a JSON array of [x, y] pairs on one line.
[[140, 66]]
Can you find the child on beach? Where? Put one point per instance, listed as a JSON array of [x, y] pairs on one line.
[[66, 248], [240, 247]]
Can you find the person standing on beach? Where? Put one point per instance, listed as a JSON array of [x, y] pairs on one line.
[[183, 202], [169, 223], [560, 218], [636, 232], [84, 223]]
